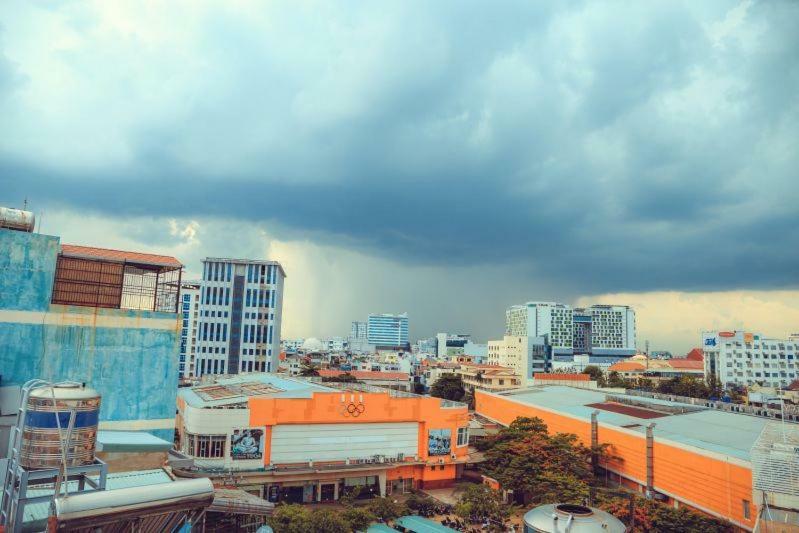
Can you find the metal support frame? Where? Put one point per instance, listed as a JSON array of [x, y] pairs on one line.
[[594, 442], [650, 458]]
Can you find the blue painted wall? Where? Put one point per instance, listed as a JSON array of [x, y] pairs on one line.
[[27, 268], [134, 368]]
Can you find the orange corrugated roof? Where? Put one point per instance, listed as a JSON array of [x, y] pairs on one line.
[[562, 377], [686, 364], [119, 256], [626, 366], [364, 374]]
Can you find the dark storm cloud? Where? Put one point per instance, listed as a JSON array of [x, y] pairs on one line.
[[655, 150]]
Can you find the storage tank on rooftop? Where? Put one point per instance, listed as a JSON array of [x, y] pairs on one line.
[[53, 406], [17, 219], [564, 517]]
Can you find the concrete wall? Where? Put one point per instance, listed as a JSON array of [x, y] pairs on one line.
[[130, 357]]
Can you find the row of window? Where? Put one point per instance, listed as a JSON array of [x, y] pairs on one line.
[[260, 298], [261, 274], [216, 296], [211, 331], [217, 271], [217, 366], [206, 446], [257, 334]]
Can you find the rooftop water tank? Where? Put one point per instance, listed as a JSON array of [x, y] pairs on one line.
[[41, 444], [559, 518], [17, 219]]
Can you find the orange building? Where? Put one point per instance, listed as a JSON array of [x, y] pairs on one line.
[[680, 454], [298, 441]]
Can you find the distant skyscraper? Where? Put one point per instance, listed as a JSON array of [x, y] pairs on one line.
[[358, 331], [387, 330], [241, 306], [190, 317], [598, 329]]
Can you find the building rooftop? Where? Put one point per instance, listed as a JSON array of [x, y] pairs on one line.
[[130, 441], [246, 262], [237, 389], [715, 431], [119, 256], [365, 375]]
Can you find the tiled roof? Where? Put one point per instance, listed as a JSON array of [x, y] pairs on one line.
[[119, 256], [365, 374], [686, 364], [695, 355], [626, 366]]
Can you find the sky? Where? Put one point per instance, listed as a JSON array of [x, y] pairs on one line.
[[445, 159]]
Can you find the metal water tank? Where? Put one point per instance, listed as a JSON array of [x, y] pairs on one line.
[[41, 444], [17, 219], [563, 517]]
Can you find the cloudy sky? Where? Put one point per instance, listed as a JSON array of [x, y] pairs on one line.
[[447, 159]]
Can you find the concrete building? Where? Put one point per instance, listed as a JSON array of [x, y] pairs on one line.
[[387, 330], [335, 344], [291, 345], [639, 366], [241, 306], [104, 317], [488, 377], [681, 454], [386, 379], [358, 342], [740, 358], [190, 313], [291, 440], [603, 330], [524, 355]]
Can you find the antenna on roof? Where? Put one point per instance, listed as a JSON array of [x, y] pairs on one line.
[[25, 204]]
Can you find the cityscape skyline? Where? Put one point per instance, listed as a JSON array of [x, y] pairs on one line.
[[291, 160]]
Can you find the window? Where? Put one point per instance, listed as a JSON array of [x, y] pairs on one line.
[[747, 511], [206, 446], [463, 436]]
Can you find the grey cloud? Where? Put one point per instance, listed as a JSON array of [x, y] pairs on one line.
[[598, 151]]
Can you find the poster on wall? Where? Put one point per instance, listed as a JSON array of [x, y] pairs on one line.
[[247, 444], [438, 441]]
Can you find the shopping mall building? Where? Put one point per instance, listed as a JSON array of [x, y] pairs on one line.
[[297, 440]]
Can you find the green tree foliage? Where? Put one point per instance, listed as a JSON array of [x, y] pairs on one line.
[[616, 381], [422, 505], [685, 386], [542, 468], [359, 518], [386, 509], [308, 370], [346, 377], [481, 503], [328, 521], [651, 516], [296, 518], [596, 375], [449, 387]]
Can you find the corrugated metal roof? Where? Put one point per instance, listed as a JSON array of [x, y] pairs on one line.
[[117, 480], [707, 429], [119, 256]]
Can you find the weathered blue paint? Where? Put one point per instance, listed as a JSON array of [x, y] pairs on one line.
[[27, 268], [133, 368]]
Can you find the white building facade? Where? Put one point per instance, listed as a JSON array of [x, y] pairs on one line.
[[387, 330], [241, 303], [598, 330], [190, 312], [740, 358]]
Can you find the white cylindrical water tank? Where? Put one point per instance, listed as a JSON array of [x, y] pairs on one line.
[[558, 518], [17, 219]]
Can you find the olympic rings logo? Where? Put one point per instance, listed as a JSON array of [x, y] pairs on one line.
[[353, 409]]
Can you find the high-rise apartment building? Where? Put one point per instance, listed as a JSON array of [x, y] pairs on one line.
[[742, 358], [387, 330], [524, 355], [241, 305], [597, 330], [190, 314]]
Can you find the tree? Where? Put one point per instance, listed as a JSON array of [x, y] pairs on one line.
[[449, 387], [596, 375], [481, 503], [537, 466], [359, 518], [386, 509], [309, 369], [346, 377], [616, 381], [686, 386], [292, 518], [328, 521]]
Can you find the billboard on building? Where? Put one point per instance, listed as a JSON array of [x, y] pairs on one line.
[[247, 444], [749, 338], [439, 442]]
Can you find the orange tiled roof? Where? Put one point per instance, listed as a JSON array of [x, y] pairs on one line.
[[626, 366], [686, 364], [562, 377], [364, 374], [119, 256], [695, 355]]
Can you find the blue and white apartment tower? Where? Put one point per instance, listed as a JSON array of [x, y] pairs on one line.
[[241, 307], [387, 330], [107, 318]]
